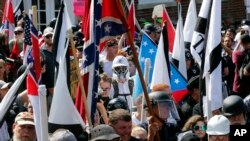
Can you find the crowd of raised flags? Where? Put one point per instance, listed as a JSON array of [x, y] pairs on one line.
[[102, 21]]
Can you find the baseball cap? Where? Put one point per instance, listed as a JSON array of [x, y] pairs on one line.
[[18, 29], [62, 135], [218, 125], [193, 82], [190, 137], [6, 85], [47, 31], [103, 132], [24, 118], [2, 83]]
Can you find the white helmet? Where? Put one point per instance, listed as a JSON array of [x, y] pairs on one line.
[[120, 67], [218, 125]]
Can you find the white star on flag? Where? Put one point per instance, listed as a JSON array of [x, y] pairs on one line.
[[145, 43], [142, 59], [84, 58], [107, 28], [98, 23], [176, 81], [99, 2], [151, 51]]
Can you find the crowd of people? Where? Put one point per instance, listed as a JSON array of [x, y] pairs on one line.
[[120, 117]]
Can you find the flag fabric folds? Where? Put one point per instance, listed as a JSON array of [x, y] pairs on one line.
[[113, 22], [212, 67], [198, 39], [161, 69], [63, 113], [34, 75], [18, 12], [190, 23], [62, 29], [131, 20], [178, 84], [90, 63], [179, 47], [8, 20], [10, 97], [148, 49], [170, 29]]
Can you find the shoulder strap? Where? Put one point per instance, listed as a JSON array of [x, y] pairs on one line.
[[116, 89], [131, 86]]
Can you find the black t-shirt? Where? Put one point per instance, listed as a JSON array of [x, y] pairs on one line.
[[49, 75]]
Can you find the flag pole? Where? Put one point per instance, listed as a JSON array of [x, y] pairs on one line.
[[72, 44], [34, 16], [135, 59]]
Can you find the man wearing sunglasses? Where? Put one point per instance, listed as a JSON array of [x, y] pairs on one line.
[[47, 50], [18, 37]]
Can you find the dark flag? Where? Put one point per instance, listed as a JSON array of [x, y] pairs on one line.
[[198, 39]]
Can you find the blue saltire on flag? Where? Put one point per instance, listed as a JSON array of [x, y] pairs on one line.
[[113, 22], [90, 63], [147, 50], [178, 84]]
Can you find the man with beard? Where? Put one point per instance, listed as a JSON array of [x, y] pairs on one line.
[[24, 127]]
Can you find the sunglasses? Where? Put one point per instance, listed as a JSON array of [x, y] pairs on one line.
[[48, 36], [105, 89], [18, 32], [112, 43], [202, 127]]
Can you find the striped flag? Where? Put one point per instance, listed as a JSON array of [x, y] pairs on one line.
[[212, 67], [63, 113], [179, 47], [8, 20], [161, 69], [190, 24], [170, 29], [62, 28], [90, 62], [11, 95], [198, 39], [34, 75]]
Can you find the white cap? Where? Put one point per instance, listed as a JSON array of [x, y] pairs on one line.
[[47, 31], [218, 125]]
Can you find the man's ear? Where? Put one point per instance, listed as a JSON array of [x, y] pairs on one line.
[[13, 126]]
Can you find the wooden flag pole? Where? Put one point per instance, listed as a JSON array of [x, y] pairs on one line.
[[72, 44], [34, 15], [135, 59]]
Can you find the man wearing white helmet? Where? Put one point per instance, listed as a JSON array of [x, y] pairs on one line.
[[122, 86], [218, 128]]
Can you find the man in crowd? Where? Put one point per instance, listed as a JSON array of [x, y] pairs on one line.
[[218, 128], [241, 59], [120, 120], [234, 109], [162, 108], [24, 127]]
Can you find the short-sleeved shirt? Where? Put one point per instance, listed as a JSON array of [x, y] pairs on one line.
[[49, 75], [240, 86]]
